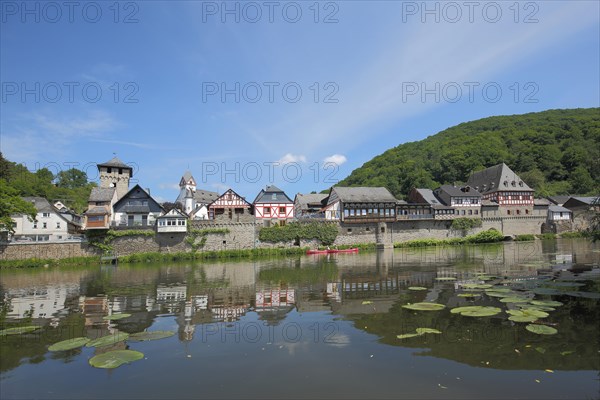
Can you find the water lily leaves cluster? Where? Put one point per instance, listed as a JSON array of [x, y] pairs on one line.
[[419, 332], [69, 344], [19, 330], [424, 306], [116, 358], [476, 311]]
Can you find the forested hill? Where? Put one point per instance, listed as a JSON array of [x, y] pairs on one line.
[[555, 151]]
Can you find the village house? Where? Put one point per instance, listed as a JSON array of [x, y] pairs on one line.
[[309, 205], [49, 224], [230, 207], [136, 209], [465, 200], [360, 204], [172, 222], [194, 202], [100, 208], [583, 209], [273, 205], [426, 202], [501, 185]]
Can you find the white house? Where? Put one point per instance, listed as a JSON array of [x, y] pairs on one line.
[[559, 213], [136, 209], [173, 221], [272, 203], [193, 201], [49, 225]]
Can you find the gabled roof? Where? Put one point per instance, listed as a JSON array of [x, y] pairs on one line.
[[305, 200], [102, 194], [462, 191], [115, 162], [363, 194], [127, 195], [173, 213], [497, 178], [272, 194], [554, 208], [186, 178], [429, 197], [559, 200], [43, 206], [205, 196], [232, 192], [586, 200]]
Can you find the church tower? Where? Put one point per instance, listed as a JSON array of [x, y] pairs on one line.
[[187, 187], [115, 174]]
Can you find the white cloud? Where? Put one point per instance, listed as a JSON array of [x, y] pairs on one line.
[[290, 158], [337, 159]]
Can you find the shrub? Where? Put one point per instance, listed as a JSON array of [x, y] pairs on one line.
[[323, 232]]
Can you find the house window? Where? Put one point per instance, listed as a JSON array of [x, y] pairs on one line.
[[527, 212], [120, 171], [145, 202], [507, 212], [346, 213], [58, 225], [476, 212], [349, 230], [352, 213], [518, 212], [44, 225], [274, 196], [282, 210], [364, 211], [267, 210], [462, 212], [109, 170], [46, 215], [470, 212]]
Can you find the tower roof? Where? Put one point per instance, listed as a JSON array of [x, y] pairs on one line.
[[115, 162], [497, 178]]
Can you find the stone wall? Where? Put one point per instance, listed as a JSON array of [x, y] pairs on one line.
[[21, 251]]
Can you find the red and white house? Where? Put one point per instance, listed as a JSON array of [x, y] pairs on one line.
[[230, 207], [273, 203]]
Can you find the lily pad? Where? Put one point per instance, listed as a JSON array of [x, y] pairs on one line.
[[499, 289], [546, 291], [408, 335], [445, 278], [108, 340], [476, 311], [534, 307], [541, 329], [493, 293], [19, 330], [476, 286], [467, 295], [422, 331], [485, 277], [417, 288], [514, 299], [522, 318], [69, 344], [117, 316], [549, 303], [459, 310], [425, 306], [366, 302], [114, 359], [565, 284], [587, 295], [528, 312], [153, 335]]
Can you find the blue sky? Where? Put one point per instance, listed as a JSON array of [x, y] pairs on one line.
[[236, 90]]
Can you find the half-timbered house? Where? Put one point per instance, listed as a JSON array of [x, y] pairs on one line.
[[360, 204], [272, 203], [230, 207]]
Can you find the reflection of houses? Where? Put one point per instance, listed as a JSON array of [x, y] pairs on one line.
[[360, 204], [272, 203], [94, 308], [171, 297], [173, 221], [49, 225], [273, 304], [230, 207], [194, 201], [43, 302], [136, 209], [308, 205]]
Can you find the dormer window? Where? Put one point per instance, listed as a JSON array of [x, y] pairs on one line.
[[521, 183], [274, 196], [505, 183], [513, 183]]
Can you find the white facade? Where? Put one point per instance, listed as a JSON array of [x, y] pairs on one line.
[[48, 226], [274, 210], [200, 213], [332, 211], [173, 221]]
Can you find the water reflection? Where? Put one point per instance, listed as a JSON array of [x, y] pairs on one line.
[[341, 301]]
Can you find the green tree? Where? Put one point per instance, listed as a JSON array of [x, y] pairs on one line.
[[71, 178], [581, 181], [12, 204]]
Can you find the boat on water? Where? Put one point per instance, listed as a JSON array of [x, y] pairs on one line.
[[332, 251]]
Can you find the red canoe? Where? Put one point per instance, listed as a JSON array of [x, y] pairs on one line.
[[330, 251]]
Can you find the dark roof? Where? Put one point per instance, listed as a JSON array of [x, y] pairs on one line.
[[41, 204], [559, 200], [115, 163], [305, 200], [135, 209], [272, 194], [541, 202], [97, 211], [205, 196], [429, 197], [554, 208], [489, 203], [499, 177], [102, 194], [586, 200], [128, 195], [363, 194], [459, 191]]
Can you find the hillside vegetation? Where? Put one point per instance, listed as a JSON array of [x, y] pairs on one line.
[[555, 151]]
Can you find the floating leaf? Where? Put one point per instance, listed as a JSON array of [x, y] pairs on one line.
[[69, 344], [587, 295], [566, 353], [493, 293], [116, 316], [425, 306], [485, 278], [366, 302], [499, 289], [108, 340], [445, 278], [565, 284], [541, 329], [476, 311], [546, 291], [466, 295], [534, 307], [19, 330], [422, 331], [152, 335], [514, 299], [408, 335], [522, 318], [525, 312], [540, 350], [549, 370], [417, 288], [548, 303], [459, 310], [476, 286], [114, 359]]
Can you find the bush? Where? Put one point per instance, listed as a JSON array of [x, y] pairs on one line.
[[524, 238], [465, 224], [547, 236], [323, 232], [490, 236]]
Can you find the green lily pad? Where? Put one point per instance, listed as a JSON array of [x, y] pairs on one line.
[[466, 295], [425, 306], [108, 340], [493, 293], [565, 284], [117, 316], [486, 277], [566, 353], [528, 312], [541, 329], [408, 335], [114, 359], [445, 278], [366, 302], [422, 331], [417, 288], [476, 286], [549, 303], [514, 299], [19, 330], [587, 295], [546, 291], [69, 344], [522, 318], [153, 335], [534, 307], [476, 311], [499, 289]]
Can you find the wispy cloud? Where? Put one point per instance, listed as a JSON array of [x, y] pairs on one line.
[[290, 158], [337, 159]]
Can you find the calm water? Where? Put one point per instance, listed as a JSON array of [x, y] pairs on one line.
[[311, 327]]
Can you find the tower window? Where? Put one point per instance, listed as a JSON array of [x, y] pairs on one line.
[[120, 171], [109, 170]]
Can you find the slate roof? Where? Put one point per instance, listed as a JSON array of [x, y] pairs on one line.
[[464, 191], [272, 194], [102, 194], [205, 196], [556, 209], [364, 194], [40, 204], [497, 178], [187, 175], [541, 202], [97, 211], [585, 200], [429, 196], [559, 200], [115, 162], [314, 199]]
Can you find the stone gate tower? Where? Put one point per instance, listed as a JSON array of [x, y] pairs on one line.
[[115, 174]]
